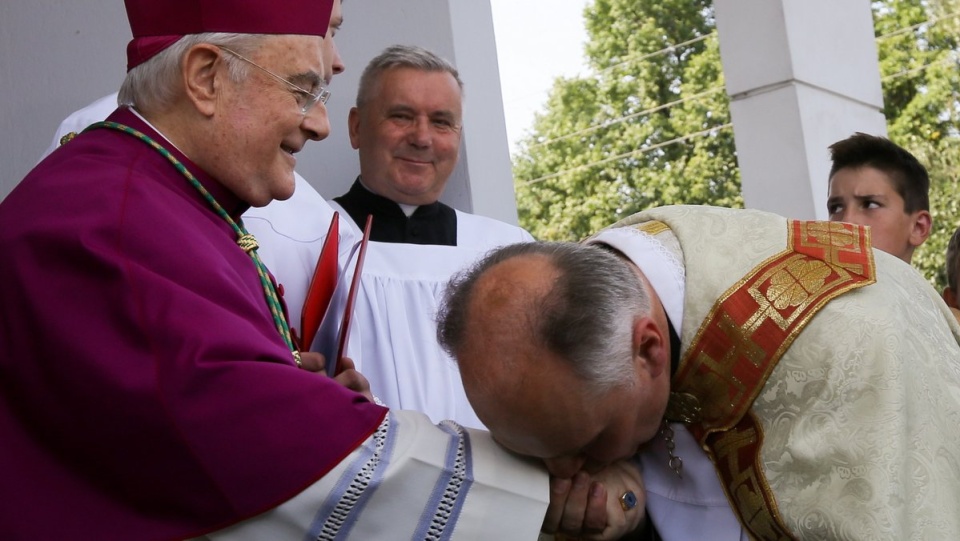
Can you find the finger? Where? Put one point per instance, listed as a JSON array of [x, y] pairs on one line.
[[558, 497], [595, 517], [572, 521], [346, 363], [312, 361], [355, 381]]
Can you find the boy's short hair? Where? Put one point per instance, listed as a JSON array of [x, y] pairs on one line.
[[908, 175]]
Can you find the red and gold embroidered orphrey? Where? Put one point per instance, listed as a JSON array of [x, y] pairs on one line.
[[743, 338]]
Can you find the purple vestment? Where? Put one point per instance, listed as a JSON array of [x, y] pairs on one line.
[[145, 392]]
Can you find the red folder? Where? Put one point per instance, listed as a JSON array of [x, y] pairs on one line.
[[326, 295], [322, 285]]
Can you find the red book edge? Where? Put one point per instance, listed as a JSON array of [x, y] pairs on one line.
[[352, 295]]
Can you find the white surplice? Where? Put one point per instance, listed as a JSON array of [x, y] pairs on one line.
[[395, 313]]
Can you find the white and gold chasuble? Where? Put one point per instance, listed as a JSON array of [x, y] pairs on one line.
[[827, 373]]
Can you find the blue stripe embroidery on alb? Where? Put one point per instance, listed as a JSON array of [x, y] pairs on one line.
[[439, 518], [339, 513]]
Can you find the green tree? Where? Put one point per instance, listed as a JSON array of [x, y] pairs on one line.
[[917, 44], [651, 124], [598, 152]]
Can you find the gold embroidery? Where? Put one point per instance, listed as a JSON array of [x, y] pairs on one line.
[[736, 453], [838, 244], [744, 336], [831, 234], [797, 283], [653, 228]]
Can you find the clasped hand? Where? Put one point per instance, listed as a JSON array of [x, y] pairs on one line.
[[348, 376], [588, 506]]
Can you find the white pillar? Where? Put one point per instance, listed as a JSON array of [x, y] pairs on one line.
[[801, 75]]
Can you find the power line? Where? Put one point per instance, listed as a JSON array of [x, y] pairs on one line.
[[931, 21], [635, 152], [686, 137], [620, 119], [638, 57], [670, 48], [665, 50], [607, 123], [610, 122], [945, 60]]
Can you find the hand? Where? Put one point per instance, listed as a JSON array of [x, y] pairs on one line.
[[312, 361], [577, 505], [350, 378], [618, 478], [586, 507]]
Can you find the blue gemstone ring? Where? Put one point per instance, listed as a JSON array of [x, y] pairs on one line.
[[628, 500]]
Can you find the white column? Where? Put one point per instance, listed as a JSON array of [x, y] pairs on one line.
[[801, 75]]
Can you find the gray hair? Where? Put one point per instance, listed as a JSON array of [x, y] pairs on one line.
[[586, 318], [401, 56], [154, 84]]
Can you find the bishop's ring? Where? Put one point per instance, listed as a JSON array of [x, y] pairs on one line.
[[628, 500]]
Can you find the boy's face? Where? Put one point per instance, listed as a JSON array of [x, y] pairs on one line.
[[866, 196]]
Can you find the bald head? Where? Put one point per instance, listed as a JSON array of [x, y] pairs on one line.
[[502, 322], [575, 301], [549, 332]]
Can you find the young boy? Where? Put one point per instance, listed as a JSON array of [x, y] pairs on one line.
[[877, 183]]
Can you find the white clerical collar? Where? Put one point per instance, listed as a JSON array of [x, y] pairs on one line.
[[160, 133], [658, 264], [408, 210]]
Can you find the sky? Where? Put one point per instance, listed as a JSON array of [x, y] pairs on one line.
[[537, 41]]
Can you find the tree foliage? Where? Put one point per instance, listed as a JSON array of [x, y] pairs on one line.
[[918, 44], [651, 124], [597, 151]]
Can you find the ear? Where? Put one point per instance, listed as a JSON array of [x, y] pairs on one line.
[[649, 347], [353, 125], [922, 223], [202, 77], [950, 297]]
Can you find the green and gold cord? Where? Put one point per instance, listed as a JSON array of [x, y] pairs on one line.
[[245, 240]]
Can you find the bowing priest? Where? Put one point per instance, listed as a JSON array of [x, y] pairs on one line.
[[407, 126], [778, 379], [149, 384]]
